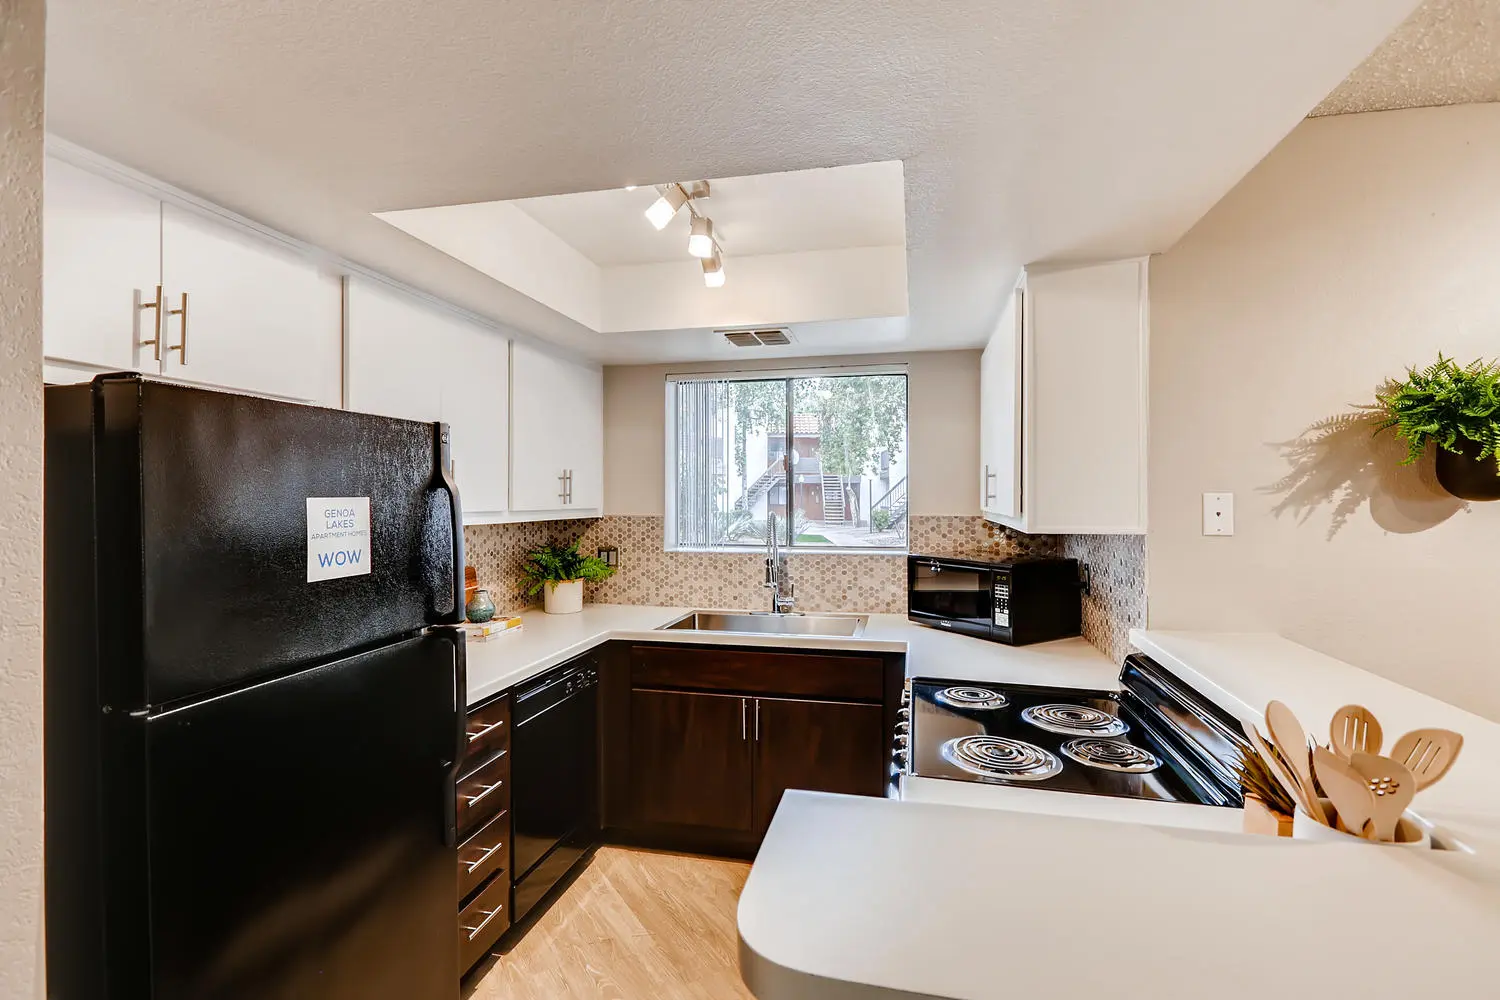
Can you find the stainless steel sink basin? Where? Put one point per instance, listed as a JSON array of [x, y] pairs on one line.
[[765, 623]]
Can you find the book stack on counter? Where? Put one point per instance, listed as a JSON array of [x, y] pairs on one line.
[[499, 625]]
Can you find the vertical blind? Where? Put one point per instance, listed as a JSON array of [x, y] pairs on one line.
[[703, 457]]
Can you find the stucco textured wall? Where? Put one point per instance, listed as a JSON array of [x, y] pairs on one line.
[[21, 60]]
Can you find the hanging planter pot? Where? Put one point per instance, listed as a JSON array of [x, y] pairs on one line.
[[1466, 475]]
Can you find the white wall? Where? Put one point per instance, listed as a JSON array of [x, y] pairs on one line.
[[942, 400], [21, 47], [1360, 245]]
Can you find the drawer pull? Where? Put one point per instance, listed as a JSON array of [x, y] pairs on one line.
[[474, 800], [486, 731], [473, 866], [488, 916]]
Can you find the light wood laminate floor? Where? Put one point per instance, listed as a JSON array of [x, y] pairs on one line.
[[636, 925]]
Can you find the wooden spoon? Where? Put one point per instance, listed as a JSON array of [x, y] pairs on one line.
[[1354, 729], [1393, 787], [1428, 753], [1347, 789], [1291, 739], [1288, 780]]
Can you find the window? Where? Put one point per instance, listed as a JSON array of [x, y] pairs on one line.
[[824, 453]]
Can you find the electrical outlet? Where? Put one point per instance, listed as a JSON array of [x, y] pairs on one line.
[[1218, 513]]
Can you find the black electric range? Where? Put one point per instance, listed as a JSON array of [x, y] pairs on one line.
[[1155, 738]]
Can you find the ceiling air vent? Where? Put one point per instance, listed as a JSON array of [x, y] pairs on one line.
[[757, 338]]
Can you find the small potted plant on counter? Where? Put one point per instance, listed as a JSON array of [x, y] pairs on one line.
[[559, 571], [1458, 409]]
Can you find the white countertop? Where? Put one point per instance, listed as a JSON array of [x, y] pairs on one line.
[[547, 640], [860, 897], [873, 898]]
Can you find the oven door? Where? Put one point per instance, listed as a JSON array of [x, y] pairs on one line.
[[950, 596]]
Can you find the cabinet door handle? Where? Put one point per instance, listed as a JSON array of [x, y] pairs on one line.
[[474, 865], [757, 720], [988, 475], [481, 734], [488, 916], [183, 312], [155, 340], [744, 711], [474, 800]]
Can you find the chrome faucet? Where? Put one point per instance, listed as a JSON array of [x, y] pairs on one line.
[[776, 574]]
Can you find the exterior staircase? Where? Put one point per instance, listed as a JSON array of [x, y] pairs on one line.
[[762, 484], [834, 506]]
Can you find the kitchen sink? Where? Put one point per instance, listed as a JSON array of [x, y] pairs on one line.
[[766, 623]]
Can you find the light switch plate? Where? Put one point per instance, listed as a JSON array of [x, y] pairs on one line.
[[1218, 513]]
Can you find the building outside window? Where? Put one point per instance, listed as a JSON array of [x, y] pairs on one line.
[[825, 453]]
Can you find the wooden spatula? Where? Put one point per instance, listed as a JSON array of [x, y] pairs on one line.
[[1347, 789], [1291, 739], [1428, 753], [1287, 779], [1393, 787], [1354, 729]]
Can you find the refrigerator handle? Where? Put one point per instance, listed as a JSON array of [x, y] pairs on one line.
[[446, 483]]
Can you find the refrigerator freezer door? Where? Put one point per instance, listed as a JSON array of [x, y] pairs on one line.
[[203, 523], [300, 837]]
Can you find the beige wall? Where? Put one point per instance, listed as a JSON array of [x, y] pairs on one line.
[[21, 472], [942, 412], [1362, 244]]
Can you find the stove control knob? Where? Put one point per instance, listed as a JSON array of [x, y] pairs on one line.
[[902, 740], [903, 713], [900, 757], [903, 726]]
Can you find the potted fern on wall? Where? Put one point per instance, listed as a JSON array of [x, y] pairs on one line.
[[1457, 408], [559, 572]]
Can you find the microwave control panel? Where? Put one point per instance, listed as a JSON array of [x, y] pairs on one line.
[[1002, 600]]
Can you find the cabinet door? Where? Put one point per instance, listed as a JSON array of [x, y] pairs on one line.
[[261, 317], [1000, 412], [474, 375], [101, 259], [557, 426], [393, 362], [822, 746], [690, 759]]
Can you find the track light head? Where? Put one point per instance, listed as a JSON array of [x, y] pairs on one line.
[[701, 242], [713, 270], [666, 207]]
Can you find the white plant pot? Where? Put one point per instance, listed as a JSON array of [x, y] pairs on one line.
[[563, 597], [1409, 832]]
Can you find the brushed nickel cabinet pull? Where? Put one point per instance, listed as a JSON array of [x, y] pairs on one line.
[[744, 710], [474, 866], [156, 304], [988, 475], [183, 312], [488, 916], [486, 731], [474, 800], [757, 720]]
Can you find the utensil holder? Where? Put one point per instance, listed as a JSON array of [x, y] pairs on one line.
[[1409, 832], [1262, 819]]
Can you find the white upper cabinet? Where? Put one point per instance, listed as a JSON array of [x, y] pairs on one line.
[[1063, 403], [415, 360], [557, 434], [246, 312], [101, 264]]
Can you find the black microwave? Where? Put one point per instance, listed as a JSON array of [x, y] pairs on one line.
[[1020, 602]]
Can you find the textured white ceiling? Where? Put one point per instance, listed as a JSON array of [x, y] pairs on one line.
[[861, 205], [1447, 52], [1029, 131]]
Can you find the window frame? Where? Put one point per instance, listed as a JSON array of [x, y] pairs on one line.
[[789, 375]]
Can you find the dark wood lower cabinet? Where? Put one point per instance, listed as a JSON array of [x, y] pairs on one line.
[[690, 761], [822, 746]]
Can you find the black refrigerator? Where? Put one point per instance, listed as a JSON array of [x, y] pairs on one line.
[[254, 698]]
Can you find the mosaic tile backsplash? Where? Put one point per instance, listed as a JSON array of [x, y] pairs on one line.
[[1117, 599], [867, 583]]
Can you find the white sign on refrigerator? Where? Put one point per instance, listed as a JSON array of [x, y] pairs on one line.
[[338, 537]]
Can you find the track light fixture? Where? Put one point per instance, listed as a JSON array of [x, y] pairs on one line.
[[664, 208], [701, 237], [713, 270]]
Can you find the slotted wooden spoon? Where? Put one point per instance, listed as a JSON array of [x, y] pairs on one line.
[[1392, 786], [1428, 753], [1347, 789], [1354, 729], [1291, 739]]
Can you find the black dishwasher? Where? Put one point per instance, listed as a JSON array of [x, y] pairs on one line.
[[554, 777]]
